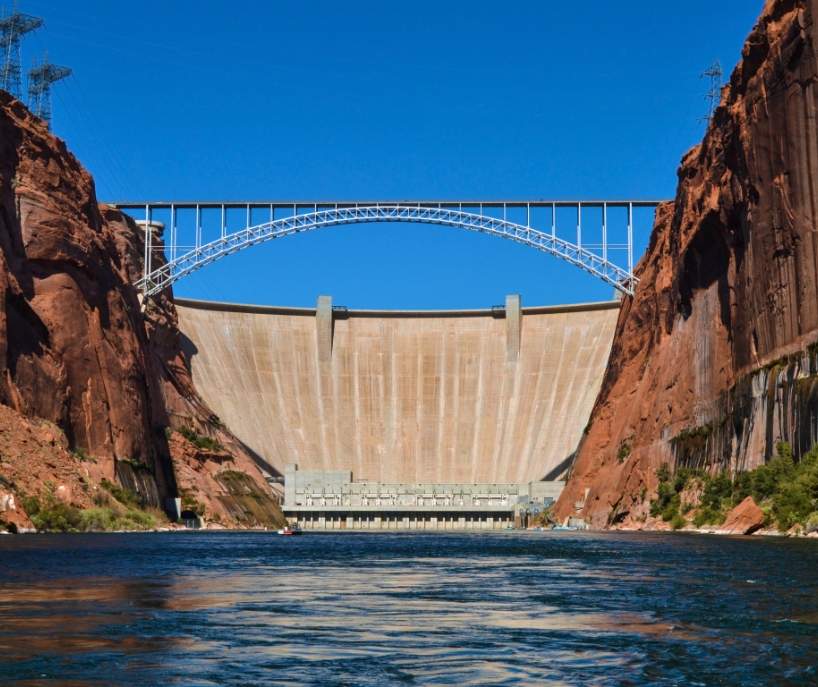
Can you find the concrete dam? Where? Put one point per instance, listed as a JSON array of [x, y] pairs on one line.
[[469, 397]]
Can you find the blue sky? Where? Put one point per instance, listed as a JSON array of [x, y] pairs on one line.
[[217, 101]]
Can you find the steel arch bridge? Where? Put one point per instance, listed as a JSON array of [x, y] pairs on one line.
[[180, 261]]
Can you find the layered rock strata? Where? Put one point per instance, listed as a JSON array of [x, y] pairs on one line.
[[713, 360]]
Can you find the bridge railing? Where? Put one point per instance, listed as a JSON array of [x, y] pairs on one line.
[[485, 216]]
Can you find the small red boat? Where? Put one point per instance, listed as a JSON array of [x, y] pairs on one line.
[[291, 529]]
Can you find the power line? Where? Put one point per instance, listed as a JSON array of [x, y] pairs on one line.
[[102, 131], [88, 139], [92, 135]]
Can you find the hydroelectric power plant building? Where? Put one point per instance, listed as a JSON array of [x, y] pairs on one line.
[[445, 419], [329, 499]]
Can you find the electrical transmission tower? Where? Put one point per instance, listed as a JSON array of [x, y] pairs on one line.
[[12, 28], [40, 80], [714, 94]]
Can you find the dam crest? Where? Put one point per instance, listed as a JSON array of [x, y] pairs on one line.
[[498, 396]]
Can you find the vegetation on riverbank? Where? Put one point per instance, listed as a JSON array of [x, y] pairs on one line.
[[786, 491], [116, 509]]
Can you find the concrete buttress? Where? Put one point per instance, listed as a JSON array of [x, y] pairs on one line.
[[514, 322], [323, 321]]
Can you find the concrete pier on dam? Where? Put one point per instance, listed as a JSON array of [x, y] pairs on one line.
[[495, 396]]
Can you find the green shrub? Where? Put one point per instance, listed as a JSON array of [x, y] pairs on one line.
[[718, 489], [680, 479], [139, 519], [677, 522], [663, 472], [743, 487], [667, 501], [791, 488], [708, 516], [107, 519], [55, 516], [97, 519], [766, 479], [672, 509], [80, 453], [792, 503], [31, 505], [199, 441], [127, 497], [228, 475]]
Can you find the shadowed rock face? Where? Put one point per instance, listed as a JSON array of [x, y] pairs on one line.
[[727, 288], [76, 348], [73, 346]]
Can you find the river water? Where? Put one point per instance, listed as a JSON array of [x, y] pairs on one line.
[[504, 608]]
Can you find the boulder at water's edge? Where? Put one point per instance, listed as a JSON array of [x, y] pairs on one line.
[[745, 518]]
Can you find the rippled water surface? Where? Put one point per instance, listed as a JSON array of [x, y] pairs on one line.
[[505, 608]]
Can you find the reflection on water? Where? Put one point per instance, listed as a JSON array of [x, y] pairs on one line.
[[504, 608]]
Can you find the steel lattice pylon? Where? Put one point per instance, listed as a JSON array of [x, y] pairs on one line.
[[714, 94], [177, 267], [12, 28], [40, 80]]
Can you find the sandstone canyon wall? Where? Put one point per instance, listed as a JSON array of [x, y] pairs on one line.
[[714, 357], [78, 350]]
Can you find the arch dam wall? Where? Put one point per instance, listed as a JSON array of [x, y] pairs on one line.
[[475, 396]]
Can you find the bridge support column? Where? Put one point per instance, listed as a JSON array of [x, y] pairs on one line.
[[323, 322], [514, 317]]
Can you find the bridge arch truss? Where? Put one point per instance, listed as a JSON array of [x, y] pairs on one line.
[[179, 261]]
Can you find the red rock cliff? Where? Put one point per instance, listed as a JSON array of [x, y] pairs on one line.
[[712, 357], [73, 349], [77, 348]]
